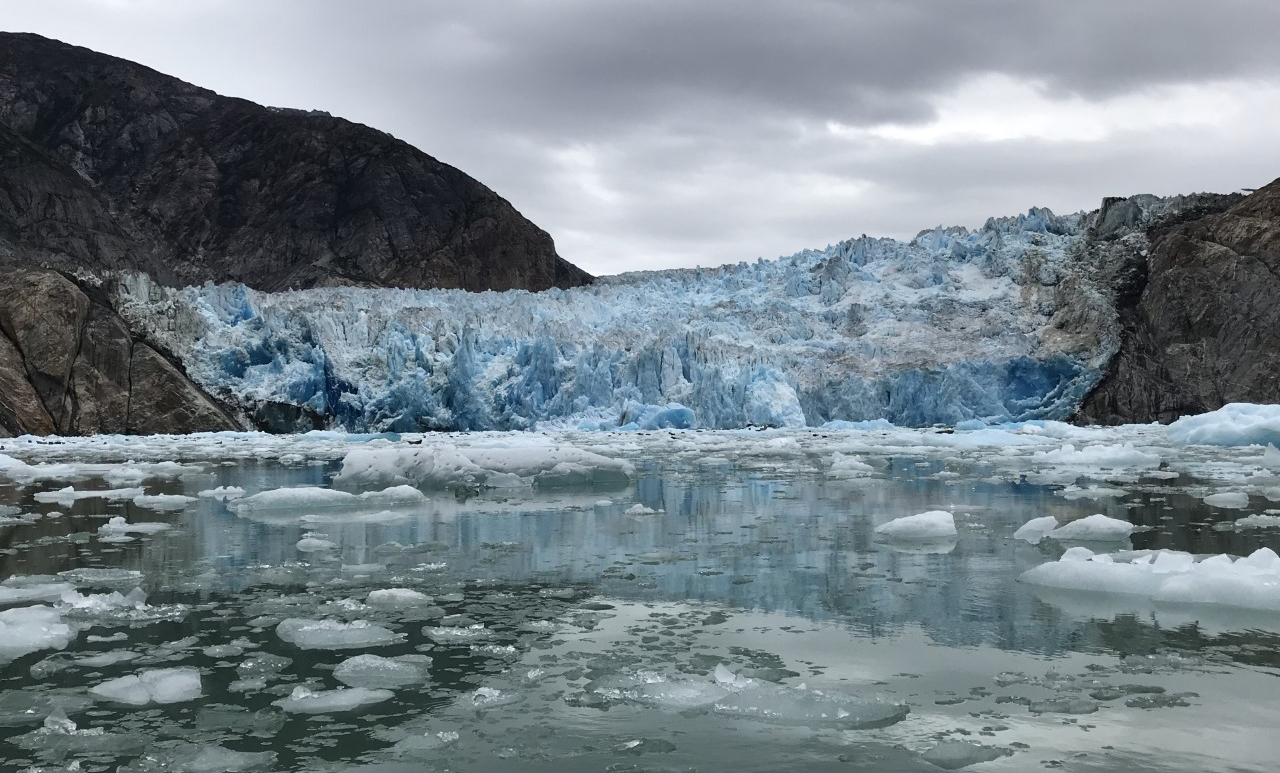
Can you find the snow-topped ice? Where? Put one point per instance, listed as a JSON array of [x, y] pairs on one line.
[[1169, 576], [29, 629], [1234, 424], [1093, 528], [511, 461], [932, 525], [951, 326]]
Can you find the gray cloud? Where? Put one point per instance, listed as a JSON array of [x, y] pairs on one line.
[[663, 132]]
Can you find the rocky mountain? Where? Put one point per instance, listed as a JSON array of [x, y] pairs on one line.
[[109, 164], [1200, 327]]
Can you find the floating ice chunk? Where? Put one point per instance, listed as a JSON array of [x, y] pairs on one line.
[[118, 526], [311, 498], [639, 509], [1240, 524], [1091, 492], [801, 707], [1170, 577], [60, 736], [333, 634], [182, 757], [386, 673], [1119, 456], [21, 589], [849, 466], [66, 497], [397, 598], [1234, 500], [953, 755], [163, 502], [26, 707], [18, 470], [101, 577], [456, 634], [931, 525], [222, 492], [28, 629], [518, 460], [1235, 424], [1094, 528], [1036, 529], [306, 701], [485, 698], [158, 685], [312, 544]]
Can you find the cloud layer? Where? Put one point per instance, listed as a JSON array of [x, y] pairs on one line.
[[658, 133]]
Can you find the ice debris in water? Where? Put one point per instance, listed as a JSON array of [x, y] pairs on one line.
[[489, 698], [306, 701], [311, 498], [1169, 576], [512, 461], [222, 492], [1102, 456], [1234, 424], [163, 501], [333, 634], [1036, 529], [28, 629], [117, 529], [1232, 500], [447, 634], [953, 755], [313, 543], [1093, 528], [160, 685], [734, 695], [1250, 522], [373, 671], [23, 707], [101, 577], [397, 598], [66, 497], [183, 757], [23, 588], [60, 736], [639, 509], [931, 525]]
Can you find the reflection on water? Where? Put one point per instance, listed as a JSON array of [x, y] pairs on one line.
[[771, 572]]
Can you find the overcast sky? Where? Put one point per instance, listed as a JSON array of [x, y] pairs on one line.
[[661, 133]]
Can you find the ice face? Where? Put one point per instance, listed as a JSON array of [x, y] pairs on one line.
[[949, 327]]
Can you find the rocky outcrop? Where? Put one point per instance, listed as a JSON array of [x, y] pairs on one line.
[[105, 164], [1201, 327], [69, 365]]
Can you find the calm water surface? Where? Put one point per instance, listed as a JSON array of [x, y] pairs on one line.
[[603, 632]]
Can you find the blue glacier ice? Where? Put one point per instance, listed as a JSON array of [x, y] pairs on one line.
[[953, 326]]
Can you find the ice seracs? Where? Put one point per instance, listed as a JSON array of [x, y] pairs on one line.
[[951, 326]]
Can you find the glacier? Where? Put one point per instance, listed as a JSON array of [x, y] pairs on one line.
[[1006, 323]]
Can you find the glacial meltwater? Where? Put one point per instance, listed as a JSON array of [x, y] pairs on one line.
[[648, 601]]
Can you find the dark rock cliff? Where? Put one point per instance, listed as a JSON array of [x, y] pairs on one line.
[[1201, 327], [69, 365], [109, 164], [106, 165]]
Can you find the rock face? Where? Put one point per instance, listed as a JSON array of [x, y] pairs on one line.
[[69, 365], [1203, 329], [105, 164]]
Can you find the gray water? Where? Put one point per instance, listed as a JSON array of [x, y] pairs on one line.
[[768, 571]]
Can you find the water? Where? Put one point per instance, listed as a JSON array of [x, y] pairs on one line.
[[752, 623]]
